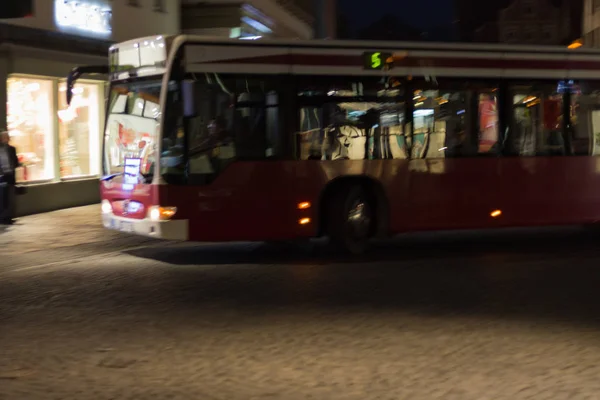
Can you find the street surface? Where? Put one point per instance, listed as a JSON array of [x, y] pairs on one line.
[[91, 314]]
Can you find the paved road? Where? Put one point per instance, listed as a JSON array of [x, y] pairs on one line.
[[511, 315]]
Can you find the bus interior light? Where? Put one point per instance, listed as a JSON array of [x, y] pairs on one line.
[[496, 213], [304, 205], [157, 213], [304, 221]]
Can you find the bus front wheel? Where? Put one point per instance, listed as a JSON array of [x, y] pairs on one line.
[[351, 218]]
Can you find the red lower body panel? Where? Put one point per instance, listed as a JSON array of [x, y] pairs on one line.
[[257, 201]]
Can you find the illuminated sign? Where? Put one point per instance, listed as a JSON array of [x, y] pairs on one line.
[[376, 59], [132, 170], [87, 16]]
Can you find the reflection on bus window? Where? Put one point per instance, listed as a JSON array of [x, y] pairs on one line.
[[585, 120], [537, 123], [132, 126], [440, 124], [231, 117], [353, 131], [350, 121], [488, 122], [392, 138]]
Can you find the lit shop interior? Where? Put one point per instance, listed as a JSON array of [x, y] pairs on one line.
[[54, 141]]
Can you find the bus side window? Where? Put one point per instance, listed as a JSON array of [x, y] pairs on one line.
[[537, 122], [251, 125], [487, 123], [585, 119], [443, 124]]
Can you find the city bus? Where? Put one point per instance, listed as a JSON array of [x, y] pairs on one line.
[[217, 140]]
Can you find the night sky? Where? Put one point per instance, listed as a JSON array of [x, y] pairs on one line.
[[422, 14]]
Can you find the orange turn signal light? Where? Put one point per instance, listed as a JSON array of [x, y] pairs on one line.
[[158, 213], [496, 213], [304, 205], [304, 221]]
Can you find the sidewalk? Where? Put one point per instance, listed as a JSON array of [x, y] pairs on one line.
[[72, 227]]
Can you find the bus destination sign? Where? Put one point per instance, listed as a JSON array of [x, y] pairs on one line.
[[376, 59]]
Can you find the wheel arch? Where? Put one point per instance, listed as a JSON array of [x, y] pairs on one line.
[[371, 186]]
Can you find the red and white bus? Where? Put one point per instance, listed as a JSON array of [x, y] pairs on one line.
[[228, 140]]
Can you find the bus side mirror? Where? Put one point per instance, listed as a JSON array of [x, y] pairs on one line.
[[188, 92], [71, 79], [76, 74]]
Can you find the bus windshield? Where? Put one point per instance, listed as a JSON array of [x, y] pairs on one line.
[[132, 127]]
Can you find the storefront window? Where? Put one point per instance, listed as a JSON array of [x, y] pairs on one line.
[[30, 120], [79, 131]]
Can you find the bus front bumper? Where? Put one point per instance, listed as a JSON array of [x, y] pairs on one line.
[[168, 230]]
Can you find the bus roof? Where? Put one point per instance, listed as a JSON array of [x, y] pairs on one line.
[[390, 45], [365, 44], [149, 55]]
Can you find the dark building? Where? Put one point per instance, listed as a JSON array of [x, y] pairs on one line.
[[546, 22], [471, 15], [389, 27]]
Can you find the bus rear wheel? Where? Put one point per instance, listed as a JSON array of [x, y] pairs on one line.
[[351, 219]]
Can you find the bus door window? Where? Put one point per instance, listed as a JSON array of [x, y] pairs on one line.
[[251, 125], [274, 142], [233, 117], [353, 132], [349, 120], [537, 122], [392, 139], [585, 118], [441, 124], [382, 125], [207, 116], [311, 133]]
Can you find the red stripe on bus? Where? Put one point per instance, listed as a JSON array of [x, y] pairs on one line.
[[421, 62]]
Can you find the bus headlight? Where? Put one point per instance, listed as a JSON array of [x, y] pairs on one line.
[[157, 213], [106, 207]]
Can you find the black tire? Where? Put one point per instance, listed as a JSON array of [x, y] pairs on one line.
[[351, 219]]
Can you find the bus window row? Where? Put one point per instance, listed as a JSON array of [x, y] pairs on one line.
[[545, 119], [241, 116]]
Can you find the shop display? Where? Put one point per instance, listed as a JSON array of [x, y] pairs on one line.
[[30, 123], [79, 131], [31, 119]]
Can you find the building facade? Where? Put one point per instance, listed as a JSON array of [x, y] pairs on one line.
[[59, 145], [109, 20], [591, 23], [252, 19], [534, 22], [539, 22]]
